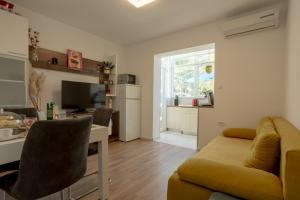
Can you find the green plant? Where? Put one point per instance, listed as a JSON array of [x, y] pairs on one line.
[[108, 65]]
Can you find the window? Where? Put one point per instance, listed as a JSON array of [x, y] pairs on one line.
[[190, 74]]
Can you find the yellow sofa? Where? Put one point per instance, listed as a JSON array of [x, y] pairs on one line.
[[218, 167]]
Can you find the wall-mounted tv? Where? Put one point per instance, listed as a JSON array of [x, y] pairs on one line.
[[81, 96]]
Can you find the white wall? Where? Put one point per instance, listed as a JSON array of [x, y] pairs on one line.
[[249, 76], [293, 64], [59, 37]]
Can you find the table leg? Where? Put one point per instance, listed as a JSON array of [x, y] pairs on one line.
[[2, 195], [103, 169]]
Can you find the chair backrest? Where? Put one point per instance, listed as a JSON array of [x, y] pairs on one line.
[[290, 158], [29, 112], [54, 157], [102, 116]]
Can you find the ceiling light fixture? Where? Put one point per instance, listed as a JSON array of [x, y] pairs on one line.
[[140, 3]]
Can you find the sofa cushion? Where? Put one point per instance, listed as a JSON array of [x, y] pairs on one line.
[[242, 133], [265, 122], [182, 190], [266, 151], [228, 150], [239, 181]]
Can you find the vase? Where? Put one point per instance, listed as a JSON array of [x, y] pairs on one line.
[[34, 55], [106, 70], [41, 115]]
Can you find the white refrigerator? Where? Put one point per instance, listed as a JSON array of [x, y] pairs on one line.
[[128, 102]]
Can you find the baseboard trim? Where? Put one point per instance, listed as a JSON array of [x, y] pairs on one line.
[[147, 138]]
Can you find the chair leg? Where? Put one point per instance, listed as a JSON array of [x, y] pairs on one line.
[[2, 195], [62, 195], [70, 193]]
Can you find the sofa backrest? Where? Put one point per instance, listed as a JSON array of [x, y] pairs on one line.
[[290, 158]]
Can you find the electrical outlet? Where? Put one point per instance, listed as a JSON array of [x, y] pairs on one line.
[[221, 123]]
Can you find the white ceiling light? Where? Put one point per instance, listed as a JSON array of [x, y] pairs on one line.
[[140, 3]]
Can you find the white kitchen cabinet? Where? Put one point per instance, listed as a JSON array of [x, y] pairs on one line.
[[13, 35], [173, 118], [183, 119], [12, 82]]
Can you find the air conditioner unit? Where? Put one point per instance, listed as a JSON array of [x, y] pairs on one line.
[[253, 22]]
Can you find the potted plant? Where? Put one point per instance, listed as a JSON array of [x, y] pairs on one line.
[[107, 67]]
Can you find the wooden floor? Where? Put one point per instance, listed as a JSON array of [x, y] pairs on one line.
[[139, 170]]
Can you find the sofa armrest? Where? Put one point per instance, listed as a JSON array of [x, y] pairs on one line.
[[243, 133], [239, 181]]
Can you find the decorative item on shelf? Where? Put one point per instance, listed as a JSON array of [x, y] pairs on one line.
[[34, 42], [101, 79], [111, 82], [105, 82], [36, 82], [54, 61], [4, 5], [110, 103], [107, 67], [75, 60]]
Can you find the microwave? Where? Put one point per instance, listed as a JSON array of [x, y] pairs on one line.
[[126, 79]]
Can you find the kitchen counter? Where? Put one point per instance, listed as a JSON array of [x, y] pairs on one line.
[[190, 106]]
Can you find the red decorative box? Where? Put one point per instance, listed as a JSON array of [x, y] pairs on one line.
[[6, 5]]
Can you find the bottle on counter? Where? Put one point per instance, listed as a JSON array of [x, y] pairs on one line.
[[176, 100], [50, 111]]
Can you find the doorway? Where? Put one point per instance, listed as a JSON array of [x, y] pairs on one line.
[[182, 81]]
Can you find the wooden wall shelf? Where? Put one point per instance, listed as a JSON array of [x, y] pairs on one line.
[[90, 67]]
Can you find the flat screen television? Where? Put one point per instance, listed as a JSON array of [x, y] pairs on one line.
[[80, 96]]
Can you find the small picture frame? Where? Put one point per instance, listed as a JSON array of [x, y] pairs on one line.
[[75, 60]]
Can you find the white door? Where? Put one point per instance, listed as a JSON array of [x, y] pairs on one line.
[[132, 119]]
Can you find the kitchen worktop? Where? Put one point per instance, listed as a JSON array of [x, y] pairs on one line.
[[190, 106]]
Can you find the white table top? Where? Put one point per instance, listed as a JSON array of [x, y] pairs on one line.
[[11, 150]]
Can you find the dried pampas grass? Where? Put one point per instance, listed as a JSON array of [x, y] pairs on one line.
[[36, 82]]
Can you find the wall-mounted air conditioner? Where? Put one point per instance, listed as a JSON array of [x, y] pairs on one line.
[[253, 22]]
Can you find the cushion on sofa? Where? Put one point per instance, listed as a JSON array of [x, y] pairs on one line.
[[265, 122], [228, 150], [182, 190], [239, 181], [266, 151], [243, 133]]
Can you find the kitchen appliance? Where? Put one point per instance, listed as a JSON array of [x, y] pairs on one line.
[[80, 96], [128, 102], [207, 100], [126, 79]]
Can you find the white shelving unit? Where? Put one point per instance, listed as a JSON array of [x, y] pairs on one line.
[[113, 76], [12, 82]]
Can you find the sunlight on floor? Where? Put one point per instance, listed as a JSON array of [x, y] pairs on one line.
[[178, 139]]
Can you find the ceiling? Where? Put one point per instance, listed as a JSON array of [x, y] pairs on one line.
[[121, 22]]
